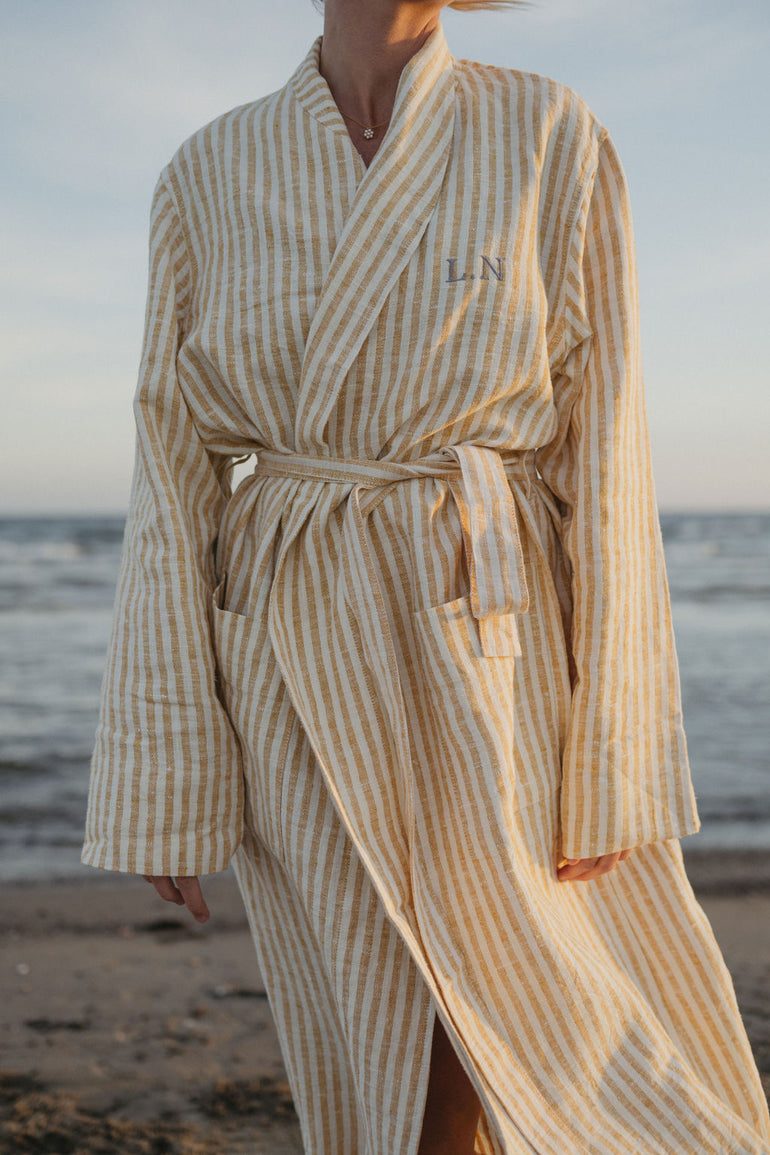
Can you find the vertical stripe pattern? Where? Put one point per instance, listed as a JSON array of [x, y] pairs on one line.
[[317, 681], [629, 737]]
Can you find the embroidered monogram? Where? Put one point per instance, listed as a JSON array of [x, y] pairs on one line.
[[486, 263]]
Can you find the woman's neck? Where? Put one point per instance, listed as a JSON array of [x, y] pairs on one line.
[[365, 45]]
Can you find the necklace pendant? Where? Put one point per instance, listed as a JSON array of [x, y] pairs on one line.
[[368, 133]]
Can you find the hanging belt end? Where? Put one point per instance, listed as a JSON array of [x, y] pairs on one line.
[[500, 636]]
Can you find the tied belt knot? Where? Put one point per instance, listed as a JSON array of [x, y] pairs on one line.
[[482, 481]]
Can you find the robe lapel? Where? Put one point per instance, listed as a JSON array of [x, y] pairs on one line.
[[389, 214]]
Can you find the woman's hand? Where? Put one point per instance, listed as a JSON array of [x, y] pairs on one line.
[[582, 869], [187, 892]]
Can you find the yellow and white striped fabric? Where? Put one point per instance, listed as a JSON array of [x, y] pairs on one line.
[[425, 648]]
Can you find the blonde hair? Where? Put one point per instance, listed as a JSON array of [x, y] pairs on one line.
[[469, 5], [473, 5]]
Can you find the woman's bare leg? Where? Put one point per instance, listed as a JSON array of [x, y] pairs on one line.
[[452, 1107]]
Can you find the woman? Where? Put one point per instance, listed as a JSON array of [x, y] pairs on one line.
[[424, 650]]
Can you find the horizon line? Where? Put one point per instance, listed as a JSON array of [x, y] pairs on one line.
[[10, 514]]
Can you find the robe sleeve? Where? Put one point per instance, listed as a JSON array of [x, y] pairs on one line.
[[626, 776], [165, 794]]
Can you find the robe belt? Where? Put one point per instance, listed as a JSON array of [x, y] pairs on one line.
[[482, 481]]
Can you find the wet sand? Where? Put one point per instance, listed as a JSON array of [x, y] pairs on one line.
[[128, 1027]]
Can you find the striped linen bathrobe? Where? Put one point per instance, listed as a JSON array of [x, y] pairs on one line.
[[425, 648]]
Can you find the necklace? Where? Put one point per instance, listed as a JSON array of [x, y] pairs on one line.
[[368, 128]]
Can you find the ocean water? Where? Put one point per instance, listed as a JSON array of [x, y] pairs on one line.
[[57, 584]]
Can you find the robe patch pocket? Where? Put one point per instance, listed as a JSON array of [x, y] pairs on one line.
[[455, 665], [470, 713], [467, 698], [229, 632]]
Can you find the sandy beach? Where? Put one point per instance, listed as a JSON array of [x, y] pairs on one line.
[[128, 1027]]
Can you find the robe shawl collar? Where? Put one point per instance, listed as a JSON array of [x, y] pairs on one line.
[[389, 214]]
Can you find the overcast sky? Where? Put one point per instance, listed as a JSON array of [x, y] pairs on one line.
[[97, 95]]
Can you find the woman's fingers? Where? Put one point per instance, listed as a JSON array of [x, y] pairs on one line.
[[193, 897], [587, 868], [574, 870], [604, 864], [187, 892], [165, 888]]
